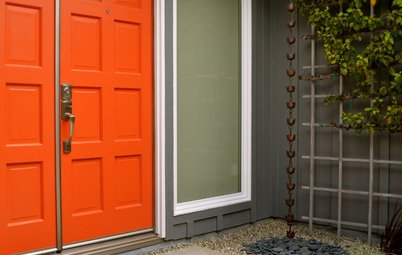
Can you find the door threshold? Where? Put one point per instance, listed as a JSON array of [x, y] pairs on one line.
[[115, 246]]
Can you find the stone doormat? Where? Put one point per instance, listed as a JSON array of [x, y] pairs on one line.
[[195, 250], [286, 246]]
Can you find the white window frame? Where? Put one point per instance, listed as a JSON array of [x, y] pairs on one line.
[[246, 125]]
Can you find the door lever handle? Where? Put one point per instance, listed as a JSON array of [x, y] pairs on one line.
[[67, 143]]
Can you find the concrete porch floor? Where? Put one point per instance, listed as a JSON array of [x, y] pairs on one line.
[[195, 250]]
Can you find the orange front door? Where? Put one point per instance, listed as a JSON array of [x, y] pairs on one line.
[[107, 179], [27, 166]]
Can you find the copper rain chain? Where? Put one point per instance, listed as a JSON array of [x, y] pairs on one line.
[[291, 137]]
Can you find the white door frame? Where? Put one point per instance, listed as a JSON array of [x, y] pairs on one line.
[[159, 95]]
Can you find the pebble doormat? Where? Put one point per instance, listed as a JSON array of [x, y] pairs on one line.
[[286, 246]]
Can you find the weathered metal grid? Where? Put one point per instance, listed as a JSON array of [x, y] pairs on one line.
[[313, 67]]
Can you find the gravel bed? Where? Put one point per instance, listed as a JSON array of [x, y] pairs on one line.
[[232, 242]]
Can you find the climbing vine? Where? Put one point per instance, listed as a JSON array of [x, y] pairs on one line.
[[366, 48]]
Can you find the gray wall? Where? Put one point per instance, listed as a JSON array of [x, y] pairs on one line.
[[206, 221], [268, 144], [270, 110], [269, 133], [269, 140]]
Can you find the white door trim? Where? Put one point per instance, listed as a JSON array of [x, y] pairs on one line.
[[159, 67]]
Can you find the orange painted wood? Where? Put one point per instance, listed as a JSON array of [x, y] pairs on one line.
[[107, 179], [27, 166]]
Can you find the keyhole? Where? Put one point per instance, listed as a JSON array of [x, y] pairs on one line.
[[107, 11]]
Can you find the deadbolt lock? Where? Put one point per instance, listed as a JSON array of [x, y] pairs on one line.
[[66, 101]]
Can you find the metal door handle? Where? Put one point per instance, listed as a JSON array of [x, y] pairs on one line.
[[67, 143]]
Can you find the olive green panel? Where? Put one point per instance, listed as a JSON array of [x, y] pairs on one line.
[[208, 98]]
